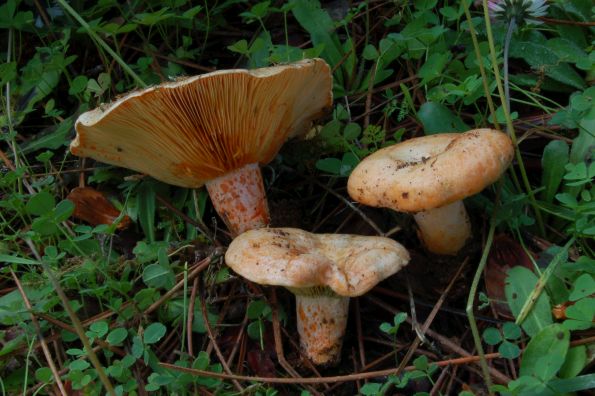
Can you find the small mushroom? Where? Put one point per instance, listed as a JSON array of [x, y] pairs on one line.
[[214, 129], [429, 176], [322, 270]]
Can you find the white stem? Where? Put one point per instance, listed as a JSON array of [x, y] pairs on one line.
[[321, 323], [444, 230]]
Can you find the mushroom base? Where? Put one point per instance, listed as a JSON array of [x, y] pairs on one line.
[[240, 200], [444, 230], [321, 323]]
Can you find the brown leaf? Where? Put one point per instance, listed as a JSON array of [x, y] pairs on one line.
[[93, 207], [260, 360], [505, 254], [261, 363]]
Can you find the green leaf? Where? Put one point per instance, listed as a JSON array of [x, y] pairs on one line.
[[8, 72], [370, 52], [451, 13], [255, 330], [348, 163], [511, 331], [554, 159], [259, 10], [508, 350], [583, 286], [153, 17], [99, 328], [567, 199], [387, 328], [78, 85], [352, 131], [117, 336], [153, 333], [566, 50], [75, 352], [437, 118], [520, 282], [321, 28], [576, 359], [138, 348], [55, 138], [329, 165], [433, 67], [241, 47], [536, 53], [146, 208], [577, 384], [580, 315], [79, 364], [371, 389], [256, 309], [202, 361], [5, 258], [43, 374], [44, 226], [158, 276], [41, 203], [63, 211], [545, 353], [424, 5], [501, 116], [192, 12], [400, 318], [492, 336], [421, 363]]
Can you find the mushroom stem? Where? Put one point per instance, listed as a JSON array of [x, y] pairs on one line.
[[444, 230], [240, 200], [321, 323]]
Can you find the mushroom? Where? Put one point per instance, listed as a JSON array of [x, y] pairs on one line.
[[214, 129], [322, 270], [429, 176]]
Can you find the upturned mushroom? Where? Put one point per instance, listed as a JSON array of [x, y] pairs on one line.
[[429, 176], [214, 129], [322, 270]]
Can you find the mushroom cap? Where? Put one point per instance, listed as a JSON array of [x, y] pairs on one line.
[[350, 265], [196, 129], [431, 171]]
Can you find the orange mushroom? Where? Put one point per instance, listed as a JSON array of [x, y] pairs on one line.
[[214, 129], [322, 270], [429, 176]]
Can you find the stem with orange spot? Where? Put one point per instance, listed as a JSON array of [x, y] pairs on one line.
[[321, 323], [240, 200]]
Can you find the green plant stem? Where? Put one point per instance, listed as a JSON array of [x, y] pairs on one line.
[[542, 282], [507, 39], [8, 112], [27, 360], [484, 77], [78, 326], [471, 299], [509, 125], [186, 312], [102, 43], [13, 143], [485, 81]]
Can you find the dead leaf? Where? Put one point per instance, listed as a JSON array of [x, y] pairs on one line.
[[505, 254], [94, 208]]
